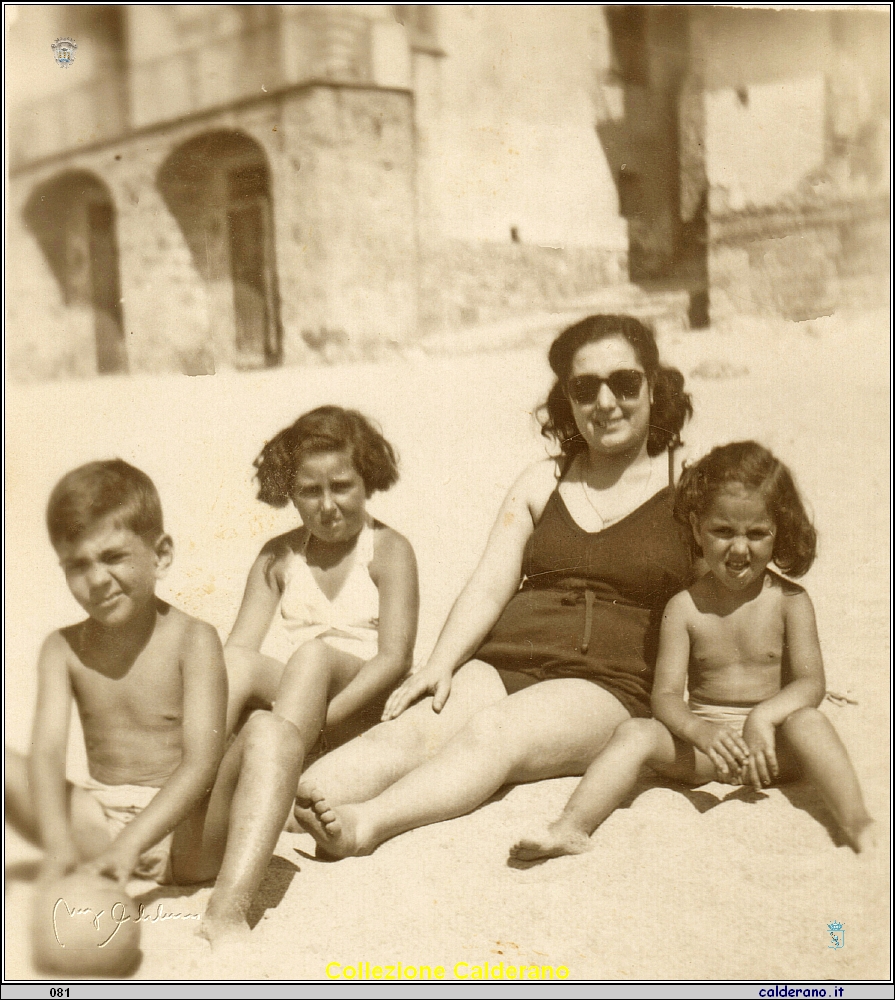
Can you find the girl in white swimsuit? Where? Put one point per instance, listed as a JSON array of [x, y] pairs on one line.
[[345, 585]]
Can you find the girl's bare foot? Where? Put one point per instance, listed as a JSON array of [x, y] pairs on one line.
[[558, 839]]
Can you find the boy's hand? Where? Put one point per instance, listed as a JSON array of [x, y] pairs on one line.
[[761, 737], [115, 864], [59, 862], [726, 749]]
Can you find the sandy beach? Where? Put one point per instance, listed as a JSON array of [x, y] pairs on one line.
[[715, 883]]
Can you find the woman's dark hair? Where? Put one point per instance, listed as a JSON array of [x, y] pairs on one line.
[[756, 469], [328, 428], [671, 406]]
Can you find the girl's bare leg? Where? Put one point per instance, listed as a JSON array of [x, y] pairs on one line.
[[552, 729], [609, 780], [825, 763], [258, 780], [252, 679], [366, 766]]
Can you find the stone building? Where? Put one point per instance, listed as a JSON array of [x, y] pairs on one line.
[[210, 186]]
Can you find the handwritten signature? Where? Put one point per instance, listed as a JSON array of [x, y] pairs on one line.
[[118, 914]]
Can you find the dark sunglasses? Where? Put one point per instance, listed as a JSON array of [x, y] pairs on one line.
[[626, 383]]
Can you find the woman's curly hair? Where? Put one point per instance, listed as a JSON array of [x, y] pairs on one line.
[[328, 428], [752, 466], [671, 405]]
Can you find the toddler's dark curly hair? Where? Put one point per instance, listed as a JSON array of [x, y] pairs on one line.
[[752, 466], [328, 428]]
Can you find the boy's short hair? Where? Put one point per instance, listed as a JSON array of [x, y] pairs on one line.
[[92, 491]]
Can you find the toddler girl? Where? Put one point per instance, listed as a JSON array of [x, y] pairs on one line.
[[752, 714]]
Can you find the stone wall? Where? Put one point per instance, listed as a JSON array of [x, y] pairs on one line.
[[340, 164], [465, 283], [800, 264]]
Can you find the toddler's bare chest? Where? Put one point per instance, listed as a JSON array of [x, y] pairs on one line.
[[748, 636]]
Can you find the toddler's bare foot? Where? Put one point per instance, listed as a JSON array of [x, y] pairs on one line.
[[335, 828], [558, 839], [867, 839]]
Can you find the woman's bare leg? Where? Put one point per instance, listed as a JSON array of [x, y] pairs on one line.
[[609, 780], [824, 761], [366, 766], [552, 729]]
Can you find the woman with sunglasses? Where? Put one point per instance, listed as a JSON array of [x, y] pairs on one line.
[[552, 642]]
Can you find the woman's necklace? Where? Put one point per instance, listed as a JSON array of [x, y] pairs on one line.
[[606, 521]]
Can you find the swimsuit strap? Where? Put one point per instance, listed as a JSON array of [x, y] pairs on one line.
[[365, 544], [363, 550], [671, 451]]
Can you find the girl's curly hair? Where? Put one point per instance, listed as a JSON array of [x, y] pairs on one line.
[[755, 468], [671, 406], [328, 428]]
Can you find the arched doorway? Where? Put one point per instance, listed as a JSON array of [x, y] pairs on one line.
[[217, 188], [73, 220]]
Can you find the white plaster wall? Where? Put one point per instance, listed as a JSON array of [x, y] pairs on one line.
[[762, 150], [506, 122], [764, 74]]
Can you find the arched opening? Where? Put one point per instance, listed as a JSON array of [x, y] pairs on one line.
[[217, 188], [73, 220]]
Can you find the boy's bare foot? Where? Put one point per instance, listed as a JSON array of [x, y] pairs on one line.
[[335, 828], [558, 839], [223, 933]]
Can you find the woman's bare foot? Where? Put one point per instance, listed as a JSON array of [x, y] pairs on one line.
[[335, 828], [558, 839]]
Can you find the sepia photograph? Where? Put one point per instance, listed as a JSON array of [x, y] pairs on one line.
[[447, 495]]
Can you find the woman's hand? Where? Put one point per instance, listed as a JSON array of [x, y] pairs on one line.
[[761, 736], [726, 749], [430, 680]]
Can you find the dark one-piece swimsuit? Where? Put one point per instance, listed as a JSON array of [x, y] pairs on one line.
[[591, 603]]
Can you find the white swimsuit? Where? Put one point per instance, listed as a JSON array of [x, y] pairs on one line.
[[350, 621]]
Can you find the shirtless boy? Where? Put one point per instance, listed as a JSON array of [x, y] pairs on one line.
[[150, 687]]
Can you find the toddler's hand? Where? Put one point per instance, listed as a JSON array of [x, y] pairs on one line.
[[726, 749], [761, 738], [416, 686]]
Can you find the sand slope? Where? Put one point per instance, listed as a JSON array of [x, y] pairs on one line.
[[714, 883]]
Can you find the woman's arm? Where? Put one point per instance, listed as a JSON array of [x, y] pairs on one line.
[[394, 572], [492, 584], [726, 749], [805, 688], [259, 602]]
